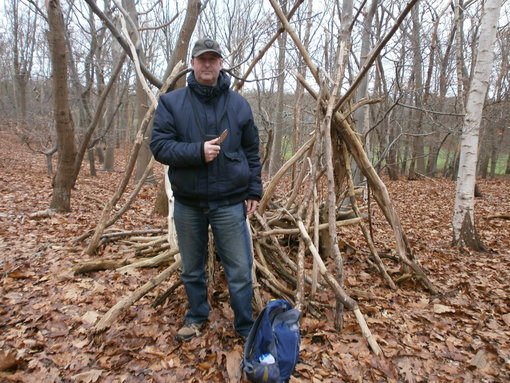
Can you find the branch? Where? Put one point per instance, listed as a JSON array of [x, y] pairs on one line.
[[269, 190], [152, 262], [430, 111], [263, 51], [243, 79], [322, 226], [136, 60], [121, 306], [338, 290], [306, 57], [373, 56], [38, 9], [499, 216], [131, 163], [159, 26], [125, 16], [97, 116], [115, 32]]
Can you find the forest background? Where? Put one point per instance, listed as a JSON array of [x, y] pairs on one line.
[[408, 110]]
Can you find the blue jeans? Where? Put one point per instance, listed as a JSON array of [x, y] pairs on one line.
[[231, 236]]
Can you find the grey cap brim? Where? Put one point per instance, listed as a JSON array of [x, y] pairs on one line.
[[200, 53]]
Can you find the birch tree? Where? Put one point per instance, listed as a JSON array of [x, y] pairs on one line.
[[463, 222]]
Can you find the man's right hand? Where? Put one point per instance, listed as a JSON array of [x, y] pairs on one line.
[[211, 150]]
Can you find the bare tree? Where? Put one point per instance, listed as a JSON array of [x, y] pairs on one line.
[[417, 164], [361, 115], [63, 181], [276, 157], [128, 8], [463, 221], [441, 59], [23, 28]]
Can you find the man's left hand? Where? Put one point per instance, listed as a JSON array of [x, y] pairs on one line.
[[251, 205]]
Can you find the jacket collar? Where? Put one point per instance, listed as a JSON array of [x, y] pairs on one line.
[[207, 92]]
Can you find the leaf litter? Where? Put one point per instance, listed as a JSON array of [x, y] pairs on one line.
[[46, 313]]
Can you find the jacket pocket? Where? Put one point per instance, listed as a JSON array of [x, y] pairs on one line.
[[236, 170], [183, 180]]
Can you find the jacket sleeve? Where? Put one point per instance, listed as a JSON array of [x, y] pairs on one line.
[[250, 144], [167, 141]]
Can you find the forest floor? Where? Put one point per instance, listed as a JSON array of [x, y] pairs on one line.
[[47, 313]]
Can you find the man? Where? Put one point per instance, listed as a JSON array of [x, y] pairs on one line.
[[215, 180]]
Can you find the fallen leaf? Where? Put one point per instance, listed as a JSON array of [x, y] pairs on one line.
[[87, 377], [8, 360], [90, 317], [407, 370], [479, 360], [81, 343], [233, 366], [441, 309]]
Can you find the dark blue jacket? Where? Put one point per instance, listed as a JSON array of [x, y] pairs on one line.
[[185, 118]]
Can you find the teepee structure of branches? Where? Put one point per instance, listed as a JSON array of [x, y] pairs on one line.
[[324, 180]]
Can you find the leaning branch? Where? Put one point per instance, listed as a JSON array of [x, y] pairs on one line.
[[373, 56], [122, 41], [91, 248], [263, 51], [338, 290], [268, 193], [112, 314]]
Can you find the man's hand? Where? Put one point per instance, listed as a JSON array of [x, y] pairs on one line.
[[251, 205], [211, 150]]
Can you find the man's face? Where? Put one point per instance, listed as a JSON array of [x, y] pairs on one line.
[[207, 68]]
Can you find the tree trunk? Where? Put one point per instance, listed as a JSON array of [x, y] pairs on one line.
[[142, 101], [463, 221], [297, 132], [276, 159], [462, 77], [114, 104], [332, 150], [92, 162], [161, 202], [23, 52], [483, 161], [418, 154], [62, 183], [360, 115], [392, 158], [180, 53], [494, 151]]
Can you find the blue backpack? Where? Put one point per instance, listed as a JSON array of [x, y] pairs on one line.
[[271, 350]]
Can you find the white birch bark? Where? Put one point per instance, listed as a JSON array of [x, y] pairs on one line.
[[172, 236], [464, 230]]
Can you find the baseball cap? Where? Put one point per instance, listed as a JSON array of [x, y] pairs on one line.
[[206, 45]]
